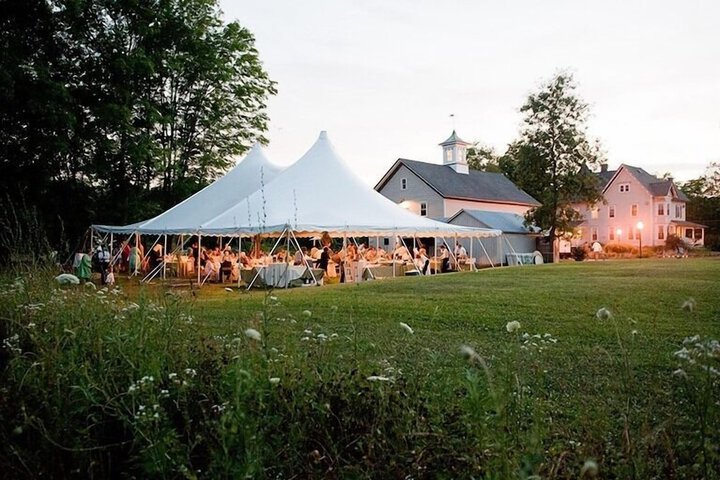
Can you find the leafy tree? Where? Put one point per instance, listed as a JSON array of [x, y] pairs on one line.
[[483, 158], [121, 108], [553, 160], [704, 203]]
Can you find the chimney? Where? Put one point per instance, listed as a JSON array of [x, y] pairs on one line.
[[603, 167]]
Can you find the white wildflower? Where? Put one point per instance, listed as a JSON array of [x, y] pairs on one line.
[[589, 469], [468, 352], [307, 332], [680, 373], [378, 378], [603, 314], [253, 334], [190, 372], [634, 332], [322, 336], [512, 326], [689, 304], [307, 313], [407, 328], [274, 380], [305, 339]]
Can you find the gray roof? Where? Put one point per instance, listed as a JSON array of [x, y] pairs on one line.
[[475, 185], [454, 139], [507, 222], [656, 186]]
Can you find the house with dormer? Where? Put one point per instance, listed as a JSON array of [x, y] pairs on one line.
[[454, 193], [637, 206]]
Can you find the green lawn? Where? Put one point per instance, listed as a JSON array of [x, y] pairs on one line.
[[355, 395]]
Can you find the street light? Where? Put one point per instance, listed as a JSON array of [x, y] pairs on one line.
[[618, 232], [640, 229]]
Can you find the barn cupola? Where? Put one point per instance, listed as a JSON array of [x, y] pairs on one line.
[[455, 153]]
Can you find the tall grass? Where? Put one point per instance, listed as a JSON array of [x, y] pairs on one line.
[[99, 384]]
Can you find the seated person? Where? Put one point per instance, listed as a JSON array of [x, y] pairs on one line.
[[226, 266], [324, 260], [244, 260], [370, 254], [300, 256]]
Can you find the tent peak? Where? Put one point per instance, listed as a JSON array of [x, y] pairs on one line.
[[323, 135]]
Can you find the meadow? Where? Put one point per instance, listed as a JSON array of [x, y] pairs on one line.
[[579, 370]]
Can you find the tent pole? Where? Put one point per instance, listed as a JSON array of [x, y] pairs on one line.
[[269, 254], [435, 254], [199, 255], [488, 256], [239, 264], [393, 252], [164, 264], [472, 259], [112, 239]]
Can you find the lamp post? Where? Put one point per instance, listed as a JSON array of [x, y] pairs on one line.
[[640, 229], [618, 232]]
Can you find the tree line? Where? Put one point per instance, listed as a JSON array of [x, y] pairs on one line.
[[113, 110]]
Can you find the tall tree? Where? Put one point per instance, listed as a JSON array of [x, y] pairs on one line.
[[704, 203], [483, 158], [553, 160], [124, 105]]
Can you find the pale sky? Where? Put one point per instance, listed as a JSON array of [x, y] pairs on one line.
[[383, 76]]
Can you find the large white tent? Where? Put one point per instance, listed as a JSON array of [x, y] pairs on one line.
[[320, 193], [187, 216]]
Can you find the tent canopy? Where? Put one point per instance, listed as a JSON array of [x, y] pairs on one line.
[[246, 177], [320, 193]]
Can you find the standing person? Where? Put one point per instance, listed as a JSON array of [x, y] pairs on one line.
[[84, 268], [444, 258], [104, 258], [597, 250], [125, 257], [134, 260]]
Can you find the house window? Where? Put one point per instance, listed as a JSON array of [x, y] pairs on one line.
[[624, 187], [661, 209], [594, 212], [611, 233], [630, 233], [593, 234], [403, 184], [661, 232], [611, 211], [423, 209], [698, 233], [688, 233], [634, 210], [677, 211]]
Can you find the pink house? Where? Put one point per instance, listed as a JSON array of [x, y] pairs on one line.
[[637, 207]]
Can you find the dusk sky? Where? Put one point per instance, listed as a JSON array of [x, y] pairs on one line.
[[383, 77]]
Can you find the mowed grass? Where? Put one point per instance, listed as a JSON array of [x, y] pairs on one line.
[[337, 388], [577, 382]]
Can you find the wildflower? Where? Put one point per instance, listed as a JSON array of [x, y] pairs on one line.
[[304, 339], [190, 372], [680, 373], [322, 336], [603, 314], [512, 326], [172, 375], [378, 378], [274, 380], [307, 313], [468, 352], [307, 332], [273, 299], [634, 332], [253, 334], [689, 305], [90, 285], [334, 335], [407, 328], [333, 308], [589, 469]]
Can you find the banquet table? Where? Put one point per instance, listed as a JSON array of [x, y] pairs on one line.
[[385, 270], [280, 275], [520, 258]]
